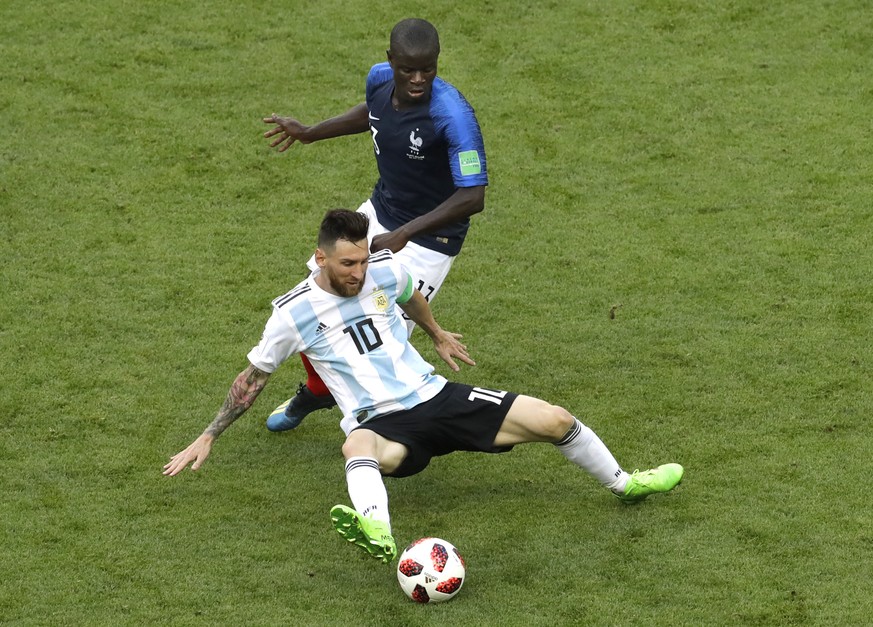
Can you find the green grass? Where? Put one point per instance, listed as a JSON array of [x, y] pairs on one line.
[[702, 170]]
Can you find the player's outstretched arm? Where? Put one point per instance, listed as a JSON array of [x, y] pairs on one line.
[[243, 392], [448, 345], [196, 452], [290, 130]]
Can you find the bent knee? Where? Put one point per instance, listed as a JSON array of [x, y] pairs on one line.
[[359, 443], [556, 422], [366, 443]]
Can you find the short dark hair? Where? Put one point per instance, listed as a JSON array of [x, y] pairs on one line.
[[414, 35], [342, 224]]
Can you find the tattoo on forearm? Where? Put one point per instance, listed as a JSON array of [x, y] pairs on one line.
[[242, 394]]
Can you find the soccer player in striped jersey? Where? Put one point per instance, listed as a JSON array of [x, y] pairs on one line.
[[432, 173], [397, 413]]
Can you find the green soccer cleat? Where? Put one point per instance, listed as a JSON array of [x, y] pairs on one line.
[[373, 536], [643, 483]]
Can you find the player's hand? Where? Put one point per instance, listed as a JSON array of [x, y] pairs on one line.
[[197, 452], [393, 240], [448, 345], [287, 131]]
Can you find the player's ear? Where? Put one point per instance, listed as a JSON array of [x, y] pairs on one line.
[[320, 258]]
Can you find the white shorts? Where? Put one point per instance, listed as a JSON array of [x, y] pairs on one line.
[[428, 268]]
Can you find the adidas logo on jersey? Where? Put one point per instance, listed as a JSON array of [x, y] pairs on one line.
[[321, 328]]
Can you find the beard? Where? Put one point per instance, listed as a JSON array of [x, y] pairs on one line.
[[344, 289]]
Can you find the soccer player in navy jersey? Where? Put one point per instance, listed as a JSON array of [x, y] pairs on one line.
[[432, 173], [398, 413]]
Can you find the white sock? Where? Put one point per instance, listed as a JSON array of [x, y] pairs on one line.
[[582, 447], [366, 488]]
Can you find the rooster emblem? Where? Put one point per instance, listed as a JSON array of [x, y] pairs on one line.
[[414, 142]]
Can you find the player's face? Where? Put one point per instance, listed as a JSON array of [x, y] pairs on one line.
[[344, 268], [413, 76]]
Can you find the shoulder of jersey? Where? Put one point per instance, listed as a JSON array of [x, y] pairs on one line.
[[298, 291], [382, 256], [381, 73], [446, 99], [445, 89]]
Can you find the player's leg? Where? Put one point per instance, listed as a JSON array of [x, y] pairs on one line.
[[310, 396], [534, 420], [368, 525]]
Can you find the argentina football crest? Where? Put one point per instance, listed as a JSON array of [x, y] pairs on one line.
[[380, 300]]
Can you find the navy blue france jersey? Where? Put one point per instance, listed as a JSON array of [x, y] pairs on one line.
[[424, 154]]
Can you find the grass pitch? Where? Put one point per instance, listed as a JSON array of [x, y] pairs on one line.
[[676, 247]]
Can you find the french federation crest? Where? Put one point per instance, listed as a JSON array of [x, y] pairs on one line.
[[380, 300]]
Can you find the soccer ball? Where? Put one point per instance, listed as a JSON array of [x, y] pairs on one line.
[[431, 570]]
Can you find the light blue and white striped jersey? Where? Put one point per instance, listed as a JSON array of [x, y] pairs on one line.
[[358, 345]]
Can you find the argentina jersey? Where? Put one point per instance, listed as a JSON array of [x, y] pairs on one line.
[[424, 153], [358, 345]]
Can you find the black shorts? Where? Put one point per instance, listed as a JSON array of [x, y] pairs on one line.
[[459, 418]]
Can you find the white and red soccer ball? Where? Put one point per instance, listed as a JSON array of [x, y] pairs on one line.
[[431, 570]]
